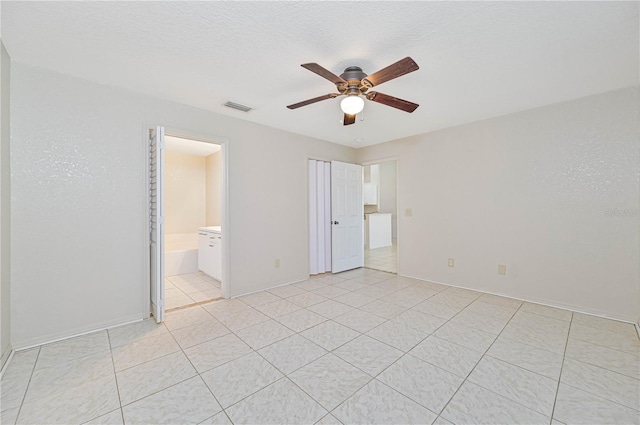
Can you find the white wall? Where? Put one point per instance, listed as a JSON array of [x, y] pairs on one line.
[[553, 193], [214, 189], [5, 208], [79, 201], [388, 197], [185, 192]]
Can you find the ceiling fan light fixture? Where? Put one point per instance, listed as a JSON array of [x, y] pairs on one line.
[[352, 105]]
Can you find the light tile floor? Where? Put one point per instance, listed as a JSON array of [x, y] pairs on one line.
[[383, 259], [415, 352], [187, 289]]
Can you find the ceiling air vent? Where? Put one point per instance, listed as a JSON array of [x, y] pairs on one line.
[[238, 106]]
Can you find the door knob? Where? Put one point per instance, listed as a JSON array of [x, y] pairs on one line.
[[336, 222]]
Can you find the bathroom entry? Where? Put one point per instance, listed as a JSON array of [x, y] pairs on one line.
[[380, 216], [185, 200]]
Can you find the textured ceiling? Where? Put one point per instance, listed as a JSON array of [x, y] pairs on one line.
[[477, 59]]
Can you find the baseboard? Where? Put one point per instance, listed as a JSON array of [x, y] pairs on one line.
[[267, 289], [540, 302], [5, 360], [637, 328], [35, 342]]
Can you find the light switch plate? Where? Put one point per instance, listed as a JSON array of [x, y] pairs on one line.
[[408, 212], [450, 262], [502, 269], [276, 263]]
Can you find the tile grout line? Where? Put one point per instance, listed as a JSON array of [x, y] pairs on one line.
[[602, 368], [287, 375], [182, 381], [386, 320], [115, 375], [177, 286], [420, 342], [304, 391], [177, 383], [284, 375], [402, 356], [564, 356], [198, 374], [586, 390], [360, 334], [600, 397], [476, 365], [24, 396], [603, 346], [497, 358]]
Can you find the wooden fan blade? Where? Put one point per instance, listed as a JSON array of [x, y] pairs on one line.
[[395, 70], [324, 73], [349, 119], [394, 102], [314, 100]]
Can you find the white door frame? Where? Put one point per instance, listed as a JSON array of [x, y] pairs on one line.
[[157, 233], [224, 149], [397, 160]]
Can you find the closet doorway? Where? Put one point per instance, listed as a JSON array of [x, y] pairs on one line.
[[335, 216], [187, 188]]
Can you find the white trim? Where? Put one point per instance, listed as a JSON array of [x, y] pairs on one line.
[[321, 222], [637, 325], [379, 161], [327, 217], [5, 365], [312, 190], [544, 303], [225, 283], [146, 263], [130, 319], [320, 158], [273, 287]]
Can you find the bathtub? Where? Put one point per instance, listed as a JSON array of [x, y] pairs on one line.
[[180, 253]]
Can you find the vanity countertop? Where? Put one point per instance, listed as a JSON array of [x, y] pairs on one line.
[[215, 229]]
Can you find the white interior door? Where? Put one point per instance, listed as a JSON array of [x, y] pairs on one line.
[[156, 218], [347, 217]]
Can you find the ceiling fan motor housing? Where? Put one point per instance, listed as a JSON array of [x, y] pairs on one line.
[[353, 75]]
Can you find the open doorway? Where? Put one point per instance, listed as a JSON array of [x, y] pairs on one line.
[[193, 211], [186, 207], [381, 216]]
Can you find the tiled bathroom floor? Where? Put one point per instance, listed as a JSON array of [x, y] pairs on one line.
[[383, 259], [359, 347], [187, 289]]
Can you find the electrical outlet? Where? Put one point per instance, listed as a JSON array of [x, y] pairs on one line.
[[276, 263], [408, 212], [450, 262], [502, 269]]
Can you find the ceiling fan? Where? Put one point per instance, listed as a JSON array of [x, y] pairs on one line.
[[353, 83]]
